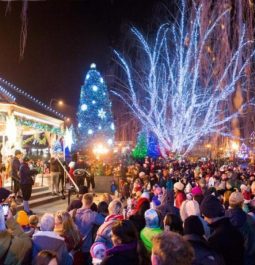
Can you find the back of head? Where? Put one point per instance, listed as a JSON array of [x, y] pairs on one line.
[[171, 249], [152, 218], [102, 207], [125, 231], [193, 225], [211, 207], [87, 199], [115, 207], [22, 218], [44, 257], [47, 222], [236, 199]]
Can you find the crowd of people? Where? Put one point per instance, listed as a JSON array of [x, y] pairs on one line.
[[164, 213]]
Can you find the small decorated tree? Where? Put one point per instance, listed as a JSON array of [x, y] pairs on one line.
[[140, 150]]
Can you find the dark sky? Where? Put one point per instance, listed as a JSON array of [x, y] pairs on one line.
[[64, 38]]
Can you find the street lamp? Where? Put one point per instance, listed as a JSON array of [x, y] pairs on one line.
[[59, 102]]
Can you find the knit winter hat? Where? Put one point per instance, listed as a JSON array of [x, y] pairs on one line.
[[146, 195], [193, 225], [151, 218], [178, 186], [141, 174], [211, 207], [188, 208], [98, 250], [196, 191], [236, 198], [22, 218], [243, 187]]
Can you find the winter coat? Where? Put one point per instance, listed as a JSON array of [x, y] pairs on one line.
[[227, 241], [19, 242], [51, 241], [85, 220], [54, 165], [204, 255], [104, 231], [125, 254], [25, 175], [147, 234], [180, 197], [246, 225]]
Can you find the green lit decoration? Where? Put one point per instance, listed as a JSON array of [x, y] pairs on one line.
[[141, 148], [39, 126]]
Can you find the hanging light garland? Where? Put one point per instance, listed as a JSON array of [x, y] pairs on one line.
[[29, 97]]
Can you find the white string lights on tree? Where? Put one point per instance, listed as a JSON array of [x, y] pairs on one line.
[[5, 83], [167, 90]]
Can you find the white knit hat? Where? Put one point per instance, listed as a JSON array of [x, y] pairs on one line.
[[178, 186], [188, 208]]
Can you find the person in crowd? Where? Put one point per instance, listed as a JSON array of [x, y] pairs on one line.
[[76, 204], [127, 249], [225, 238], [48, 239], [173, 223], [106, 197], [85, 219], [102, 208], [33, 223], [194, 233], [151, 229], [54, 173], [98, 253], [244, 223], [65, 227], [26, 183], [15, 244], [137, 215], [180, 196], [104, 232], [23, 220], [46, 257], [15, 165], [171, 249]]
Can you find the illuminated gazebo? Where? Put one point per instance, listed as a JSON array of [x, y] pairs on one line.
[[31, 126]]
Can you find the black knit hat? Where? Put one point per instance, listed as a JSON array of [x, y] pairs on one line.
[[4, 194], [193, 225], [211, 207]]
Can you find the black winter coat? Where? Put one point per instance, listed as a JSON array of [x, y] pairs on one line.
[[227, 241]]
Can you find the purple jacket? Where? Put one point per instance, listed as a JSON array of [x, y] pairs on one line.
[[51, 241]]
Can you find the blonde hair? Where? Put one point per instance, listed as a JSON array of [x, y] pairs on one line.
[[69, 228], [172, 249], [87, 199]]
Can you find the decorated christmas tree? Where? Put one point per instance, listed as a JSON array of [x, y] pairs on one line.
[[95, 121], [140, 150], [153, 146]]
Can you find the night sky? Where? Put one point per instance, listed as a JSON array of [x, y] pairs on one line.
[[64, 38]]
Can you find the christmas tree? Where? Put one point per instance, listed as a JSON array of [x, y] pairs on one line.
[[153, 148], [140, 150], [95, 121]]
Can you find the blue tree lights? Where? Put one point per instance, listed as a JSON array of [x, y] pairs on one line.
[[95, 121]]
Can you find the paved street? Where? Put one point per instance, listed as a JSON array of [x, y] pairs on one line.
[[57, 205]]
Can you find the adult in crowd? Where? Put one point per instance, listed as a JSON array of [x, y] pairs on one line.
[[85, 219], [65, 227], [225, 238], [15, 244], [48, 239], [77, 203], [151, 229], [26, 183], [127, 249], [15, 165], [171, 249], [180, 196], [194, 234], [104, 232], [46, 257], [244, 223], [54, 173]]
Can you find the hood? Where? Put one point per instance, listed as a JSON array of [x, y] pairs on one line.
[[237, 217]]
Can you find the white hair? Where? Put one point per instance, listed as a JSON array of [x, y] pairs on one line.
[[115, 207], [47, 222]]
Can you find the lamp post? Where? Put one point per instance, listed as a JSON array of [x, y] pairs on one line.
[[59, 102]]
